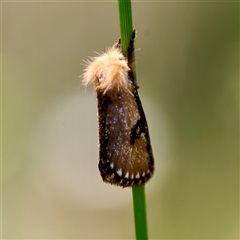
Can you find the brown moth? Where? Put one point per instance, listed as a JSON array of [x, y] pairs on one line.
[[125, 152]]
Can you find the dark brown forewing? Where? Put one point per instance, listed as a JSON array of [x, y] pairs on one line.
[[125, 154]]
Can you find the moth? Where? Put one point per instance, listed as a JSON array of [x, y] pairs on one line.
[[125, 152]]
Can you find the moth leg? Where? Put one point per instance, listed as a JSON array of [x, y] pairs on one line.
[[131, 50], [118, 44], [130, 47], [131, 59]]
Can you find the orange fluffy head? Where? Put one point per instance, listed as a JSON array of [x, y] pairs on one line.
[[107, 72]]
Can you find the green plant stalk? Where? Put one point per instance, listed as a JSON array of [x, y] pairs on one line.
[[140, 217], [139, 206], [126, 26]]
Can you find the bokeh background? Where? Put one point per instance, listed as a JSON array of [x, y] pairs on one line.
[[188, 70]]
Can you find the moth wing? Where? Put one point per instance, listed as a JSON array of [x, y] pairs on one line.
[[124, 145]]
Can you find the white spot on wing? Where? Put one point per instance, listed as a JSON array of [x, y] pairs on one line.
[[112, 165], [114, 120], [127, 175], [121, 111], [138, 175], [119, 172]]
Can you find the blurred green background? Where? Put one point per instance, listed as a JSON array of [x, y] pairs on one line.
[[187, 68]]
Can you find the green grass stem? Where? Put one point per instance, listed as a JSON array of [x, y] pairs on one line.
[[140, 217], [126, 26], [139, 206]]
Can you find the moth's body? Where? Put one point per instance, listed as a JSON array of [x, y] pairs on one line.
[[125, 154]]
